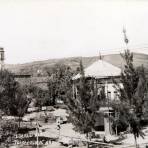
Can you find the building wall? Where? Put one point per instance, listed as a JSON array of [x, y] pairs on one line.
[[110, 91], [107, 85]]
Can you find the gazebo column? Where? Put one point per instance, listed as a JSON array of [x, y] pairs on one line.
[[73, 90], [107, 123]]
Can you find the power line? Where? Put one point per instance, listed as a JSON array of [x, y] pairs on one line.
[[143, 47]]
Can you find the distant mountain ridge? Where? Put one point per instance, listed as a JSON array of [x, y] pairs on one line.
[[73, 62]]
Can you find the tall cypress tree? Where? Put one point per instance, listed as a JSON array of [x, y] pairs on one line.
[[83, 108], [13, 96], [131, 94], [133, 83]]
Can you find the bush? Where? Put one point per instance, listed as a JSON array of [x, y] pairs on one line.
[[8, 129], [121, 126]]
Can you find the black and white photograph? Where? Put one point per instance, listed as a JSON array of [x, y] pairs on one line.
[[73, 74]]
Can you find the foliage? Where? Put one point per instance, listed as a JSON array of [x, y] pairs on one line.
[[134, 84], [131, 94], [41, 97], [8, 126], [83, 108], [13, 97], [7, 129], [59, 82]]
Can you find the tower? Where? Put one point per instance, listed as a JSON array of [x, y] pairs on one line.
[[1, 58]]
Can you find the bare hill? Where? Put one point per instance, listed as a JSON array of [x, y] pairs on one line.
[[73, 62]]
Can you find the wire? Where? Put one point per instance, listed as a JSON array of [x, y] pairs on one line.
[[143, 48]]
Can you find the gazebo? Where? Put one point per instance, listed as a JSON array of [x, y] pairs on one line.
[[100, 69], [102, 72]]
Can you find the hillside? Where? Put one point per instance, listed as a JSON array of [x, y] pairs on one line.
[[73, 62]]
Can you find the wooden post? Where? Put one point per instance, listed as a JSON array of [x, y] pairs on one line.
[[116, 131], [59, 126], [108, 105], [116, 118], [37, 138], [73, 90]]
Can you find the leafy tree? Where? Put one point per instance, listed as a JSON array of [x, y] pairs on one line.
[[8, 129], [59, 82], [38, 95], [131, 94], [42, 98], [83, 108], [13, 97]]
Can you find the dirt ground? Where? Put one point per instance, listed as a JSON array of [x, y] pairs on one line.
[[49, 129]]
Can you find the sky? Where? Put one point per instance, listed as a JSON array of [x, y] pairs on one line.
[[32, 30]]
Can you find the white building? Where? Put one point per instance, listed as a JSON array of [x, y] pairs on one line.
[[102, 72]]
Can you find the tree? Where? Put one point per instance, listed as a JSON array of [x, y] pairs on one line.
[[83, 108], [8, 129], [21, 102], [13, 97], [59, 82], [131, 94], [40, 97]]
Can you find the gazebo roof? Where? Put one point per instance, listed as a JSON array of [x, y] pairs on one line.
[[100, 69]]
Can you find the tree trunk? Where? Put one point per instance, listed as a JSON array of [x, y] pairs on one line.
[[19, 122], [53, 100], [116, 130], [87, 140], [136, 145]]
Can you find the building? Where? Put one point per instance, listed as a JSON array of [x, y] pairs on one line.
[[102, 72]]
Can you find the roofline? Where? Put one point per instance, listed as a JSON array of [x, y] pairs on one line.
[[99, 78]]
